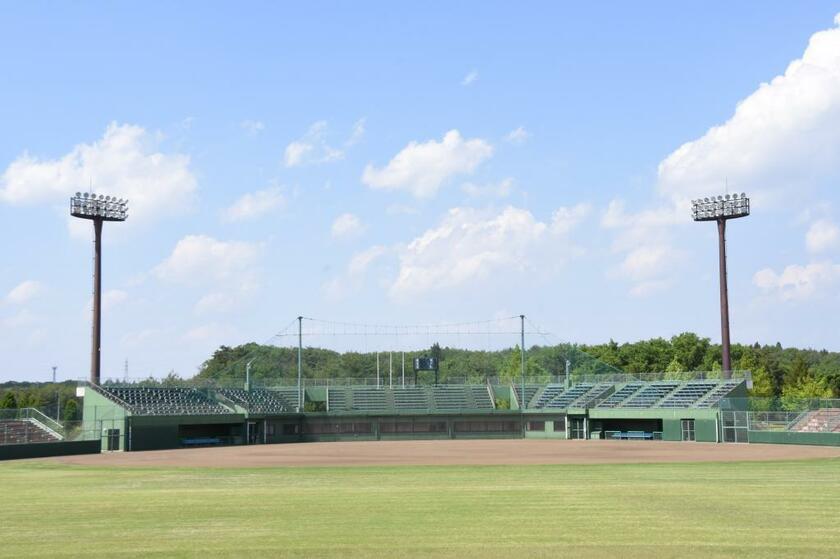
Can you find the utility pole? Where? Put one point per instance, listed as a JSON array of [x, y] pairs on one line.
[[300, 365], [522, 355]]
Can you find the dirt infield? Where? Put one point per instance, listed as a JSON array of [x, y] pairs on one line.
[[453, 452]]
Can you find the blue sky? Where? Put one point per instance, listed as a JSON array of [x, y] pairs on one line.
[[392, 164]]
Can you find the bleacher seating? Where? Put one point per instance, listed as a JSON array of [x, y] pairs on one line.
[[411, 398], [619, 396], [17, 431], [719, 392], [258, 400], [651, 394], [369, 399], [598, 393], [569, 396], [450, 397], [826, 420], [550, 392], [338, 399], [481, 397], [688, 394], [166, 401], [530, 392]]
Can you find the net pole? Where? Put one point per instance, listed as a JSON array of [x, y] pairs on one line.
[[300, 364], [390, 369], [522, 355], [403, 369]]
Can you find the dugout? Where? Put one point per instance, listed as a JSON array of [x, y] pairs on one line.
[[684, 424]]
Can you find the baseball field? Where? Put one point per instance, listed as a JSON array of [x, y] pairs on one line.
[[147, 505]]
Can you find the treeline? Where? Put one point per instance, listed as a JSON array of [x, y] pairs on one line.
[[776, 371], [56, 400]]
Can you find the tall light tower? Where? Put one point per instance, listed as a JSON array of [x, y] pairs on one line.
[[722, 209], [98, 209]]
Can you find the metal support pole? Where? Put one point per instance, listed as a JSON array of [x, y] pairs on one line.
[[95, 351], [248, 374], [390, 369], [724, 301], [377, 369], [522, 355], [300, 365], [403, 369]]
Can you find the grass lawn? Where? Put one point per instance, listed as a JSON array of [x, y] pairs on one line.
[[771, 509]]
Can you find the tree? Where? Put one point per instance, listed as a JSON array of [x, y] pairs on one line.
[[9, 401], [70, 410], [689, 349], [675, 370]]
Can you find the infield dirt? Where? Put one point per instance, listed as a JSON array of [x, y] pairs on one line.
[[453, 452]]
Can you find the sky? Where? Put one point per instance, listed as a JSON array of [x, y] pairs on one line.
[[378, 163]]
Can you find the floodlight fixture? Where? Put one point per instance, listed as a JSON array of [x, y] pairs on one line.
[[98, 209], [721, 209]]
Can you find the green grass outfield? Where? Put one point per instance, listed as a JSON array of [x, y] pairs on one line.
[[771, 509]]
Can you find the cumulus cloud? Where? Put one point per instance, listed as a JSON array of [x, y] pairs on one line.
[[469, 245], [229, 270], [126, 162], [254, 205], [24, 292], [347, 226], [648, 259], [470, 78], [199, 259], [518, 136], [822, 236], [312, 148], [354, 276], [797, 282], [422, 168], [785, 135]]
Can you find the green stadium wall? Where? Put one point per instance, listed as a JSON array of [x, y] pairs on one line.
[[791, 437], [43, 450]]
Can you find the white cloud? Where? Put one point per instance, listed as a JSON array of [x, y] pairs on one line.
[[357, 269], [648, 259], [124, 163], [24, 292], [783, 136], [422, 168], [518, 136], [199, 259], [501, 189], [470, 78], [347, 226], [312, 148], [216, 303], [798, 282], [357, 134], [255, 204], [470, 245], [253, 127], [823, 235]]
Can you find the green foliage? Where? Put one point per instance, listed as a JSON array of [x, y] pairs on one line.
[[8, 401], [502, 404], [313, 406]]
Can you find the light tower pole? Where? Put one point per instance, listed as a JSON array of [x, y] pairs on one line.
[[720, 210], [98, 209]]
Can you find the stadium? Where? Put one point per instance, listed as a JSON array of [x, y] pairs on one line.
[[426, 281]]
